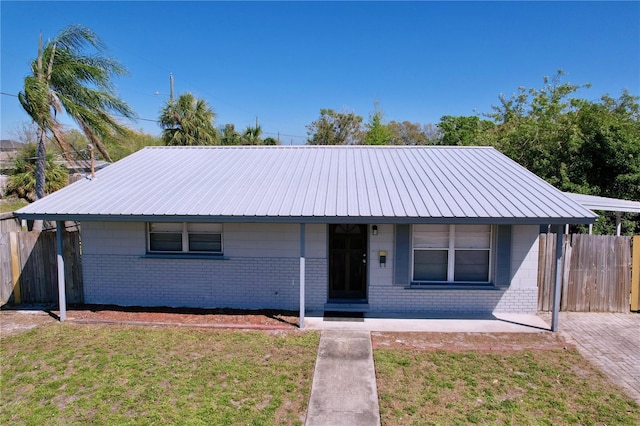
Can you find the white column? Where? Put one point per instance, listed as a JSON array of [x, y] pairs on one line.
[[302, 274], [618, 223], [62, 298]]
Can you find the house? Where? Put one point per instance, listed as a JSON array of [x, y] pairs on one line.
[[9, 148], [8, 152], [389, 229]]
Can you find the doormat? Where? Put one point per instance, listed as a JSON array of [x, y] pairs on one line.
[[343, 316]]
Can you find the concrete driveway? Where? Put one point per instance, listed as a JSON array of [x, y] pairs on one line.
[[610, 341]]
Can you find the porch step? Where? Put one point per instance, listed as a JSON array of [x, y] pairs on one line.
[[346, 307]]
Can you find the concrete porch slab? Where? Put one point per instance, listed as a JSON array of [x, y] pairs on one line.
[[497, 323]]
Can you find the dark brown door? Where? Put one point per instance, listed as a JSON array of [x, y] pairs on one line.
[[347, 261]]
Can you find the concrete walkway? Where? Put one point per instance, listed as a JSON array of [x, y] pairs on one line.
[[344, 388], [610, 341]]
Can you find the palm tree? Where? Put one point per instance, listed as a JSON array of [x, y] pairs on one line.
[[22, 183], [188, 121], [252, 135], [66, 79], [230, 136]]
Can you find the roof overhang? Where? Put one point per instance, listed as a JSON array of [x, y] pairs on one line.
[[311, 219]]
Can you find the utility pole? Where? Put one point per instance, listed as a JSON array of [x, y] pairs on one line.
[[93, 168], [171, 87]]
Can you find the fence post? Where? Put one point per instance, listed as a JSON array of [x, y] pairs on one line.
[[635, 274], [302, 273], [16, 266], [62, 297], [557, 285]]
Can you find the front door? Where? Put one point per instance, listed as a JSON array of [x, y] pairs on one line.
[[347, 261]]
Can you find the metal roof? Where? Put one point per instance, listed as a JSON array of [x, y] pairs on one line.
[[593, 202], [322, 184]]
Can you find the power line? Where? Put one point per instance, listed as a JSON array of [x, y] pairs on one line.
[[283, 134], [158, 121]]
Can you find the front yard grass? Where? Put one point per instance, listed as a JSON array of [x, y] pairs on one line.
[[79, 374], [517, 387]]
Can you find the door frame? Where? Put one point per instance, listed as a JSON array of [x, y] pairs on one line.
[[365, 290]]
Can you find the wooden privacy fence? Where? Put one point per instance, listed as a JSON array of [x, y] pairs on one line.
[[29, 269], [9, 222], [596, 273]]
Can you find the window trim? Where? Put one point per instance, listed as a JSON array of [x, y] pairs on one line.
[[185, 240], [451, 259]]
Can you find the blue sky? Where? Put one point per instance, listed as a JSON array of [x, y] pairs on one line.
[[284, 61]]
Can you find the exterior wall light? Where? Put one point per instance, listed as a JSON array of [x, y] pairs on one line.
[[374, 229]]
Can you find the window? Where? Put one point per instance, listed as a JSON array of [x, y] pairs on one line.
[[452, 253], [185, 237]]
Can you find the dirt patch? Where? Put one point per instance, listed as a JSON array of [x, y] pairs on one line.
[[469, 341], [215, 318], [14, 322]]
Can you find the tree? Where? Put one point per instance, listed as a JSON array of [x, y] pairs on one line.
[[407, 133], [252, 135], [26, 132], [188, 121], [607, 161], [462, 130], [270, 141], [230, 136], [577, 145], [376, 133], [22, 182], [120, 146], [335, 128], [66, 79], [608, 158]]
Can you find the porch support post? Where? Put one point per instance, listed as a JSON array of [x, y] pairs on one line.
[[618, 223], [557, 285], [302, 273], [62, 298]]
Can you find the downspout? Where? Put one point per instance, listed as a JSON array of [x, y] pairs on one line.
[[62, 299], [302, 273]]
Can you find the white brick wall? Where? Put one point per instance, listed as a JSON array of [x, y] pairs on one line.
[[521, 296], [235, 283], [524, 257], [261, 270]]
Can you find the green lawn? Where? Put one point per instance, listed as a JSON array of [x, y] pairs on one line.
[[78, 374], [524, 387]]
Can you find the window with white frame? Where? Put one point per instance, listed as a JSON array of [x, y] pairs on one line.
[[452, 253], [184, 237]]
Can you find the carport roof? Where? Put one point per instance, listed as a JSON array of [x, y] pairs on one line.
[[593, 202], [314, 184]]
